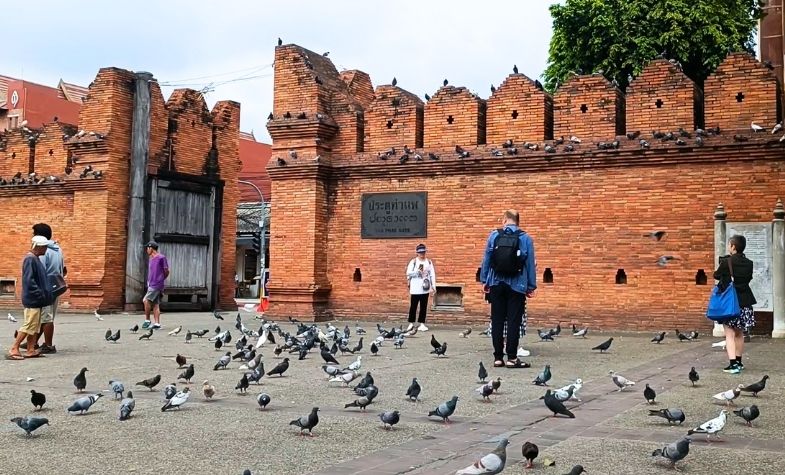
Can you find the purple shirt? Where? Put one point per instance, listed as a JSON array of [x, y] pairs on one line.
[[155, 272]]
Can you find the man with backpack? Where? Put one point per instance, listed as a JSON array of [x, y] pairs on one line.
[[509, 277]]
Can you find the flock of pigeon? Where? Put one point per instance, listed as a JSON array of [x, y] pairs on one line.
[[332, 340]]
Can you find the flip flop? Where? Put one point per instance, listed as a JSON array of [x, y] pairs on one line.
[[34, 355], [11, 357], [517, 364]]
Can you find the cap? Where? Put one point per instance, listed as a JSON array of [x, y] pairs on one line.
[[152, 244], [39, 241], [420, 248]]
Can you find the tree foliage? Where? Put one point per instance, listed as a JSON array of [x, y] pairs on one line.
[[619, 37]]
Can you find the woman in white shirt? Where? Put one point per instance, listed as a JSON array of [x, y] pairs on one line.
[[422, 283]]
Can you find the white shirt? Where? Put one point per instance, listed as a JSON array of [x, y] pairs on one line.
[[416, 277]]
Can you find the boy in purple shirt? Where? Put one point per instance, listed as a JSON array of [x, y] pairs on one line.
[[157, 272]]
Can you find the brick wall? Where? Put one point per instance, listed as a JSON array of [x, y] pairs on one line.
[[739, 92], [520, 112], [662, 98], [588, 107], [393, 119], [454, 116]]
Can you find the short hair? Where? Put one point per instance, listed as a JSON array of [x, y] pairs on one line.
[[42, 229], [739, 242], [512, 214]]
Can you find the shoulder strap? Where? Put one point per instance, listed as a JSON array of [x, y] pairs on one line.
[[730, 267]]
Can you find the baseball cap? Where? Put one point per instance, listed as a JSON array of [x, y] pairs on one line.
[[152, 244], [420, 248], [39, 241]]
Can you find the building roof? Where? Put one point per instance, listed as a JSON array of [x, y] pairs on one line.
[[254, 157], [69, 92], [4, 80], [72, 92]]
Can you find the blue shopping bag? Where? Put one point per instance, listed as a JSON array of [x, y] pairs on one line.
[[723, 304]]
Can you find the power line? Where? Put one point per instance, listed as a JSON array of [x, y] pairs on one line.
[[248, 70]]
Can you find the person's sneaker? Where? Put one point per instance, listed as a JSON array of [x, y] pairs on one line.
[[422, 328], [732, 369], [156, 326], [46, 349], [146, 324], [409, 328], [523, 353], [740, 366]]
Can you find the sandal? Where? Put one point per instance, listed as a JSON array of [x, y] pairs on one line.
[[498, 364], [516, 363], [14, 357], [35, 355]]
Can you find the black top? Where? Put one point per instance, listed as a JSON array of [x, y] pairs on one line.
[[742, 275]]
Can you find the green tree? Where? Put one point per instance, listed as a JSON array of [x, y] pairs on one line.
[[618, 37]]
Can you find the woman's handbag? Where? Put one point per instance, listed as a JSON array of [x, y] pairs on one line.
[[724, 304]]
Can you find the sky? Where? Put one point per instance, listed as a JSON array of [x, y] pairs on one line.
[[198, 42]]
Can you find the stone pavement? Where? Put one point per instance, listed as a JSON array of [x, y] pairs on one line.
[[230, 434]]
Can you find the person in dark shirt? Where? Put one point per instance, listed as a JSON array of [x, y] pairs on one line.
[[742, 275]]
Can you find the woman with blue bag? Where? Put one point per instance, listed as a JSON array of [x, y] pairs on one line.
[[737, 269]]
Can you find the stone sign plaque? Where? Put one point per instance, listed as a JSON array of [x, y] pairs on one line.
[[758, 250], [394, 215]]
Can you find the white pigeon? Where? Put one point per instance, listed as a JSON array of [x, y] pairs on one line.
[[379, 340], [220, 336], [176, 331], [262, 338], [755, 127], [177, 400], [713, 426], [98, 315], [719, 344], [117, 388], [345, 378], [576, 386], [729, 395], [490, 464], [582, 332], [356, 364], [776, 128], [11, 318], [575, 139], [782, 139], [620, 381]]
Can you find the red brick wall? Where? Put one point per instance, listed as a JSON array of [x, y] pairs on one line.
[[739, 92], [394, 119], [520, 112], [589, 107], [661, 98], [192, 139], [454, 116]]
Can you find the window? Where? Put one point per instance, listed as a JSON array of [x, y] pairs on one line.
[[13, 121]]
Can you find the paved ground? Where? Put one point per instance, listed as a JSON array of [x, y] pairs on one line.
[[611, 433]]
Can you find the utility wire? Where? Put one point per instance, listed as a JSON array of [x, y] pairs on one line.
[[252, 69]]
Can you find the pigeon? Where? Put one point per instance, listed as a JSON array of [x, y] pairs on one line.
[[80, 381], [694, 335], [649, 394], [603, 347], [177, 400], [176, 331], [465, 333], [83, 403], [530, 451], [127, 406], [328, 357], [217, 315], [188, 336], [147, 335], [256, 375], [345, 378], [755, 388], [398, 343], [545, 335], [150, 383], [134, 329], [307, 422], [169, 391], [208, 390], [331, 371], [620, 381], [12, 319], [38, 399], [756, 128], [366, 381], [374, 349], [777, 128], [117, 388], [389, 419], [97, 315], [263, 400], [675, 451], [434, 342], [356, 364], [359, 330], [485, 391], [711, 427], [482, 374], [749, 414], [280, 368], [729, 395], [496, 384], [223, 361], [719, 344], [445, 410], [489, 464], [544, 376], [180, 360], [113, 337], [243, 384], [441, 351], [576, 470], [564, 394], [413, 392], [29, 424], [694, 377], [361, 403], [556, 406], [681, 336], [187, 374], [581, 333], [201, 333], [662, 261], [671, 414]]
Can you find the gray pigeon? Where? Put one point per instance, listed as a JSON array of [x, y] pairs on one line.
[[361, 403], [576, 470], [127, 406], [150, 383], [672, 414], [490, 464], [749, 414], [169, 391], [544, 376], [29, 423], [390, 418], [675, 451], [307, 422], [223, 361], [256, 375], [83, 403], [263, 400], [187, 374], [445, 410], [117, 388], [564, 394]]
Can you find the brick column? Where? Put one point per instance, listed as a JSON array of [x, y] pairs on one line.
[[778, 270], [720, 238]]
